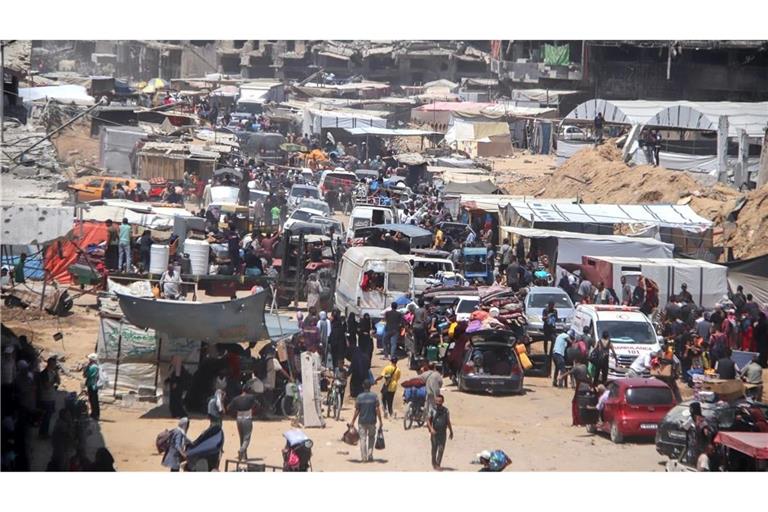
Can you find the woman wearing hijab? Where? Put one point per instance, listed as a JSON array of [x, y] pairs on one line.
[[337, 339], [177, 380], [352, 331], [313, 292], [364, 340], [178, 446], [359, 370]]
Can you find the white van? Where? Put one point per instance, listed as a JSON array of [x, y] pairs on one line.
[[631, 332], [425, 270], [389, 276], [363, 216]]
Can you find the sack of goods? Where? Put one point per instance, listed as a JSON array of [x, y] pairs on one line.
[[351, 436]]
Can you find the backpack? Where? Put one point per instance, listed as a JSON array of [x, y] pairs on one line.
[[163, 441]]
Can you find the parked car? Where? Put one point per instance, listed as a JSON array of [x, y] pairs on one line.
[[537, 299], [635, 408], [491, 364], [301, 214], [670, 436], [299, 192], [92, 188], [573, 133]]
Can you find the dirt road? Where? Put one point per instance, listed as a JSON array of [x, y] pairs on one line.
[[534, 429]]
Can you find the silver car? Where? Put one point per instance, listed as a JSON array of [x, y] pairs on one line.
[[537, 299]]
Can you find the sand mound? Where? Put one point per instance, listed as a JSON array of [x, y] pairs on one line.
[[749, 237]]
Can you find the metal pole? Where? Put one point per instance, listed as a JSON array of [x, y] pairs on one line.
[[117, 359], [157, 365]]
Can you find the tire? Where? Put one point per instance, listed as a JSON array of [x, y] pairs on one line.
[[592, 429], [616, 436], [337, 408], [331, 404], [408, 416], [289, 406]]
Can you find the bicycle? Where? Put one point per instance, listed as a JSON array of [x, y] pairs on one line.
[[415, 399], [335, 395]]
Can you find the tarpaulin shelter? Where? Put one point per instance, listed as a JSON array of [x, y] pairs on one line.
[[754, 444], [66, 251], [677, 224], [64, 93], [479, 138], [706, 281], [475, 187], [752, 274], [568, 247], [315, 120]]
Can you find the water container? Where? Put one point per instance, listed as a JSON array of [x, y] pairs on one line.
[[158, 258], [198, 255]]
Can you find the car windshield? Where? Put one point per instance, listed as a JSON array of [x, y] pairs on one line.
[[627, 332], [467, 306], [649, 396], [304, 192], [301, 215], [541, 300]]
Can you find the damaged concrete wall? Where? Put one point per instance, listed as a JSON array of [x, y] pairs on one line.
[[29, 224]]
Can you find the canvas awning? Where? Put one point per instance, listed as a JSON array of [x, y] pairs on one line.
[[664, 215], [572, 246], [476, 187], [754, 444], [387, 132], [63, 93]]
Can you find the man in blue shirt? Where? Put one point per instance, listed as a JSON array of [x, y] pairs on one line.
[[558, 356]]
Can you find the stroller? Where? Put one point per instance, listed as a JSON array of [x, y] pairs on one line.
[[297, 453], [204, 454]]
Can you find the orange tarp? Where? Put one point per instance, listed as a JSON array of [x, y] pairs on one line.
[[66, 251]]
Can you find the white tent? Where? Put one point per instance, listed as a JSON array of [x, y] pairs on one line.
[[706, 281], [479, 138], [316, 119], [688, 115], [63, 93], [572, 246], [663, 215]]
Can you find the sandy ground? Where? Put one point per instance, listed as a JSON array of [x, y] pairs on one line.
[[534, 428]]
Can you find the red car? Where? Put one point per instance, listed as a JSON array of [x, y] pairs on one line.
[[634, 408]]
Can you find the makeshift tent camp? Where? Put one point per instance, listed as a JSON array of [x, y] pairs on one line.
[[752, 274], [570, 247], [315, 120], [706, 281], [479, 138]]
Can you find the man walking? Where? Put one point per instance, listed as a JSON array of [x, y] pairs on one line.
[[439, 423], [599, 128], [393, 322], [558, 356], [124, 246], [367, 409], [91, 374], [242, 405], [433, 382]]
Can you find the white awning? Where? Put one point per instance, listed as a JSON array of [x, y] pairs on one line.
[[665, 215], [387, 132], [688, 115]]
